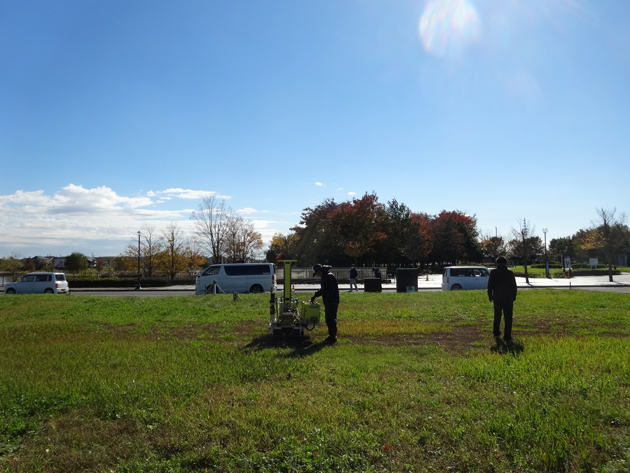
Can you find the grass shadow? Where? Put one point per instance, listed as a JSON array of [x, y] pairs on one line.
[[503, 348], [303, 347]]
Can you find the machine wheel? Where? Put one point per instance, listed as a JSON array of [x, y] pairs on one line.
[[49, 291], [256, 289], [277, 335], [11, 291], [456, 287]]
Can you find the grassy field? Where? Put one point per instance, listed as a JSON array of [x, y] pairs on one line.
[[416, 383], [555, 272]]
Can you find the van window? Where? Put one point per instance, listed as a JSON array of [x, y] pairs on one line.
[[212, 270], [28, 278], [256, 269], [60, 277], [235, 270], [461, 272], [43, 278]]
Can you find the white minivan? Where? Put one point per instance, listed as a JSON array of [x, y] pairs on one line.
[[39, 283], [456, 278], [242, 277]]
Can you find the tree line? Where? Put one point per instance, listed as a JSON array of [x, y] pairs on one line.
[[220, 235], [364, 231]]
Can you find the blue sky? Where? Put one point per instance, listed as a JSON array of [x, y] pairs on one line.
[[116, 114]]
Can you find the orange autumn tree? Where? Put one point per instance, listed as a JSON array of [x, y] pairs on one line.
[[357, 227], [340, 233], [454, 237]]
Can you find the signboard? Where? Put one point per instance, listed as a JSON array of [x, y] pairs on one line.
[[567, 262], [593, 262]]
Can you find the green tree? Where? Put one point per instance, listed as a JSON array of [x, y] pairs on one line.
[[119, 265], [13, 266], [561, 247], [492, 246], [76, 262]]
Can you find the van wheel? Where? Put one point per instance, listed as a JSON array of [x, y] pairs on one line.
[[456, 287], [11, 291], [256, 289], [49, 291]]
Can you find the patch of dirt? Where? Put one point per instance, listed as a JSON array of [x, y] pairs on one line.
[[253, 334]]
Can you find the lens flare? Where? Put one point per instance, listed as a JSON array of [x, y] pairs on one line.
[[448, 26]]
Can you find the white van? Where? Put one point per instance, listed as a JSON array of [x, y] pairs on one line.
[[39, 283], [456, 278], [243, 277]]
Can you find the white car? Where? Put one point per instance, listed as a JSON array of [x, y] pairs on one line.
[[456, 278], [39, 283]]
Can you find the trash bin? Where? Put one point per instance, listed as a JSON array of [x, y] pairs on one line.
[[406, 279], [372, 285]]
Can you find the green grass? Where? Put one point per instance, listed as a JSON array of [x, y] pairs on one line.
[[193, 384], [556, 272]]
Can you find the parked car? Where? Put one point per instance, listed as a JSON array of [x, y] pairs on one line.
[[243, 277], [456, 278], [39, 283]]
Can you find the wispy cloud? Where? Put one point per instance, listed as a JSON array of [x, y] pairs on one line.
[[352, 193], [186, 194], [319, 184], [247, 210]]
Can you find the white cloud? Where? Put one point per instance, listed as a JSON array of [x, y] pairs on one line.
[[246, 210], [186, 194], [352, 193], [340, 189], [95, 221], [33, 219], [319, 184]]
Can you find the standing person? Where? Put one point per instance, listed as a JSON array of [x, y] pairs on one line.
[[353, 278], [502, 291], [330, 297]]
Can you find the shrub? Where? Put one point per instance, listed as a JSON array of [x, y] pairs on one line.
[[116, 282]]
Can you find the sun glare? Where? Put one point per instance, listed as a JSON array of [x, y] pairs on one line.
[[448, 25]]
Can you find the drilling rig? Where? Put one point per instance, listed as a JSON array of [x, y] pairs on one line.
[[287, 314]]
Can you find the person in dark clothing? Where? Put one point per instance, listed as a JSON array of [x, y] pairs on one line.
[[330, 296], [353, 278], [502, 292]]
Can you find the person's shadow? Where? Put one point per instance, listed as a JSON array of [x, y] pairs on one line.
[[303, 347], [503, 348]]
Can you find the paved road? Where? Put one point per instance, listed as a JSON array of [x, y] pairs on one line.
[[432, 283]]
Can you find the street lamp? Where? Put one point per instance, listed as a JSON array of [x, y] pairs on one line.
[[138, 283], [544, 230]]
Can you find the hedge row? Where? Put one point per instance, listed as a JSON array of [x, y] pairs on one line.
[[563, 274], [573, 265], [123, 282]]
